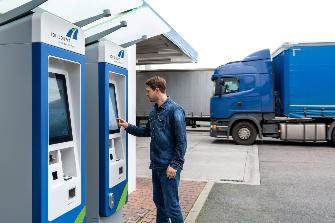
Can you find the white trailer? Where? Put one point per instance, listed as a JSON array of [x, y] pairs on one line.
[[192, 89]]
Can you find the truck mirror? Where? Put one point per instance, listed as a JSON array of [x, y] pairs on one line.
[[218, 87]]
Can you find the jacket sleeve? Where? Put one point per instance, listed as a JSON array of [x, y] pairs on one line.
[[180, 139], [139, 131]]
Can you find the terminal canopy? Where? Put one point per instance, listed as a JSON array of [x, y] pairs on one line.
[[162, 46], [75, 10], [165, 48], [141, 20]]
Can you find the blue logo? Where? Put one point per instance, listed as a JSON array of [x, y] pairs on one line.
[[72, 33], [121, 54]]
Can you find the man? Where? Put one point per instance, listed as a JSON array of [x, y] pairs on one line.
[[167, 129]]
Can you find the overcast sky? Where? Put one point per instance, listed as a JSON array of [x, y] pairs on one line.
[[223, 31]]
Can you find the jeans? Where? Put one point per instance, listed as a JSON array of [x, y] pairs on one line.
[[165, 196]]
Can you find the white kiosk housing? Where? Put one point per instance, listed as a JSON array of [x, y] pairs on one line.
[[106, 89], [42, 120]]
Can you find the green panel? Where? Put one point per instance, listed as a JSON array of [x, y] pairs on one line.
[[81, 216], [123, 198]]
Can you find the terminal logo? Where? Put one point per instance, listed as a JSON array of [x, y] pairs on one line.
[[121, 54], [72, 33]]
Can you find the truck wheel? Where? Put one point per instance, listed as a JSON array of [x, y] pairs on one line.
[[333, 137], [244, 133]]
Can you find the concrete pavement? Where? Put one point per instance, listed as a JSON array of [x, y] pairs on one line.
[[210, 159], [297, 185]]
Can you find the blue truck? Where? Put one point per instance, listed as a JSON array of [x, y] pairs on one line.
[[289, 95]]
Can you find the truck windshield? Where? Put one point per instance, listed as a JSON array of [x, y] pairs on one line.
[[226, 86]]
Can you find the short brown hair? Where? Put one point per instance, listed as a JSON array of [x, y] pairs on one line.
[[157, 82]]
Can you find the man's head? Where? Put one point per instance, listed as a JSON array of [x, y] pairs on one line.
[[155, 88]]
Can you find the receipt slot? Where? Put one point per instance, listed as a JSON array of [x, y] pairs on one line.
[[42, 120], [106, 91]]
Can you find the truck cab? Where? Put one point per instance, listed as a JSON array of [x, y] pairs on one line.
[[288, 96], [243, 94]]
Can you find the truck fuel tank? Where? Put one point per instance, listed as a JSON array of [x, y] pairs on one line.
[[303, 132]]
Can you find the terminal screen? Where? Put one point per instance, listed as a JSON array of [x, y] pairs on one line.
[[59, 114], [113, 111]]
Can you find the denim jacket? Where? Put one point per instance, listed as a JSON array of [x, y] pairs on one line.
[[167, 129]]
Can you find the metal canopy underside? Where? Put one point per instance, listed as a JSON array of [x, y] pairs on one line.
[[165, 49]]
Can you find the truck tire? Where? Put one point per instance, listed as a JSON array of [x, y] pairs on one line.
[[244, 133], [333, 137]]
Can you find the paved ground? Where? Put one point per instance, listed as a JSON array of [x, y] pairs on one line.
[[207, 159], [297, 185], [140, 207]]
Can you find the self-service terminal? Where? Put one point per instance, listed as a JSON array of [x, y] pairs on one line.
[[42, 120], [106, 90]]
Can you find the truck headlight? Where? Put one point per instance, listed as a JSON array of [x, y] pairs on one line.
[[213, 126]]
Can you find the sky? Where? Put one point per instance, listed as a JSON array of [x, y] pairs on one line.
[[222, 31]]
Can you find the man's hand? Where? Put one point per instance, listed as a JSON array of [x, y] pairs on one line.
[[171, 173], [122, 123]]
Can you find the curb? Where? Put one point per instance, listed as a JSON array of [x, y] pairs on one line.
[[199, 203]]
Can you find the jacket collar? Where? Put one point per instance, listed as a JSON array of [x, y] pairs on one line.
[[163, 106]]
